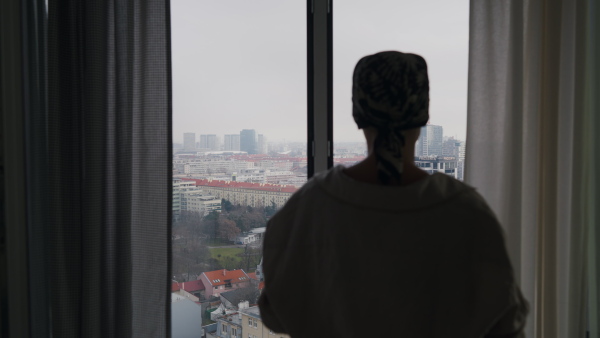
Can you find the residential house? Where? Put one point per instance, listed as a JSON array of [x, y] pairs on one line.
[[232, 299], [219, 281], [195, 287]]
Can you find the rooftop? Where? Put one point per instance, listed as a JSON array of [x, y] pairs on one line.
[[243, 185], [252, 312], [236, 296], [232, 318], [219, 277], [192, 286]]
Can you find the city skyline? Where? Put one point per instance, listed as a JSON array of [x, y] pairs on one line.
[[232, 70]]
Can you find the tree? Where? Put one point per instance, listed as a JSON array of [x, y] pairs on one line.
[[271, 210], [226, 228], [227, 206], [210, 225]]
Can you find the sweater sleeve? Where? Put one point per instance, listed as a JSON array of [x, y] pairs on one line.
[[276, 278], [512, 322], [271, 259], [495, 271]]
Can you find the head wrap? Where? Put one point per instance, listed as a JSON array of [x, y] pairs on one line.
[[390, 93]]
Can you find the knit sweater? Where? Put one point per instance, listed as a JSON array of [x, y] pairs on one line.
[[345, 258]]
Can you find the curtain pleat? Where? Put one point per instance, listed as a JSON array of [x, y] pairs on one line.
[[109, 140], [591, 148], [526, 148]]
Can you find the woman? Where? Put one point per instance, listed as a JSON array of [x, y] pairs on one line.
[[383, 248]]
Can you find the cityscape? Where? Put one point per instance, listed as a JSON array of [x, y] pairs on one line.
[[225, 189]]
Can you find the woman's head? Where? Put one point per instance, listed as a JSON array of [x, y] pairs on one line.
[[390, 93]]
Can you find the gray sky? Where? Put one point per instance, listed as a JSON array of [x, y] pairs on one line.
[[241, 64]]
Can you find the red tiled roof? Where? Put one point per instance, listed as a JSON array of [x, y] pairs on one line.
[[192, 286], [261, 285], [219, 277], [252, 275], [244, 185], [174, 287]]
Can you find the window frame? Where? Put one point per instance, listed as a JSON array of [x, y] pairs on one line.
[[319, 24]]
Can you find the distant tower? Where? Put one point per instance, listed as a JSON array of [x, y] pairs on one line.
[[249, 141], [262, 144], [189, 141], [231, 142], [210, 142], [430, 141]]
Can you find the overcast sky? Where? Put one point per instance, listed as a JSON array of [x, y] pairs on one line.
[[241, 64]]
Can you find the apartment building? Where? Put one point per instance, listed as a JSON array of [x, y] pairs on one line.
[[253, 327], [219, 166], [231, 142], [438, 164], [247, 194], [203, 204], [219, 281], [229, 326]]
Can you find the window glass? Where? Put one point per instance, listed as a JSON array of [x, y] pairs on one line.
[[438, 30], [239, 129]]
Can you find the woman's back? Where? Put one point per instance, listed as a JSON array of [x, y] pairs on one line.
[[345, 258]]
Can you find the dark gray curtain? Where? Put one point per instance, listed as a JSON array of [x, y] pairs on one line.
[[108, 172]]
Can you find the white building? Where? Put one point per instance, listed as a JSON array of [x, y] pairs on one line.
[[275, 177], [186, 317], [180, 187], [439, 164], [189, 141], [277, 165], [262, 144], [188, 197], [245, 238], [204, 204], [215, 166]]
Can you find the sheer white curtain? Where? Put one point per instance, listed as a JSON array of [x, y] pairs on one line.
[[528, 152]]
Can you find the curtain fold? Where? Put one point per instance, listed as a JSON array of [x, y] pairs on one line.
[[109, 168], [527, 152], [591, 147]]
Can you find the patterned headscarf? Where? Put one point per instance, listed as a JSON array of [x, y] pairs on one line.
[[390, 92]]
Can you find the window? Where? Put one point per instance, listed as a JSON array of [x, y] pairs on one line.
[[441, 38], [239, 126], [240, 118], [234, 331]]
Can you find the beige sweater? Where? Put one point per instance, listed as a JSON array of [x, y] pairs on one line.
[[349, 259]]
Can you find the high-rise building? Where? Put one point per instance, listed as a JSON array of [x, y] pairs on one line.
[[249, 141], [430, 141], [262, 144], [189, 141], [450, 147], [231, 142], [210, 142]]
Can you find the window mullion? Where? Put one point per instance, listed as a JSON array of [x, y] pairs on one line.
[[320, 80]]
